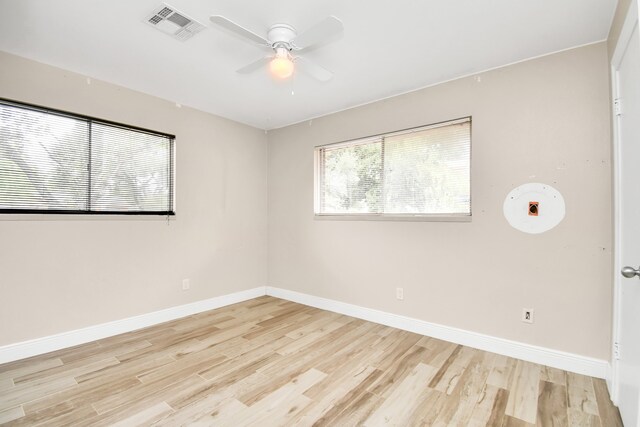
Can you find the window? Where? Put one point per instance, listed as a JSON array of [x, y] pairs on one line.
[[55, 162], [424, 171]]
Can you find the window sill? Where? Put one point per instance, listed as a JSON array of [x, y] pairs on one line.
[[84, 217], [419, 218]]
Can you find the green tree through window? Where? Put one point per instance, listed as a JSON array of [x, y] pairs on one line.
[[57, 162], [424, 171]]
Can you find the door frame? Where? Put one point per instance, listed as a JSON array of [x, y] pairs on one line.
[[630, 22]]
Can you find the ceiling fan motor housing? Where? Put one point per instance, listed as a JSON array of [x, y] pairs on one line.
[[280, 35]]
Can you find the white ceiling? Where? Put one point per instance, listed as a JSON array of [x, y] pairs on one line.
[[388, 47]]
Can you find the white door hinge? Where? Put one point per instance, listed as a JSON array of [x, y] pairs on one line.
[[616, 351], [617, 107]]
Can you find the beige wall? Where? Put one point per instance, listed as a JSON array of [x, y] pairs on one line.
[[63, 274], [545, 120]]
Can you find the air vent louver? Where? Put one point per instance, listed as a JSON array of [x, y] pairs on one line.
[[176, 24]]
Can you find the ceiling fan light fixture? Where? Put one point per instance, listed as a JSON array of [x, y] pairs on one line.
[[284, 40], [282, 65]]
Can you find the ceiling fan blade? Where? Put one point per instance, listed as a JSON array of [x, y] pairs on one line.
[[313, 69], [254, 65], [238, 30], [321, 33]]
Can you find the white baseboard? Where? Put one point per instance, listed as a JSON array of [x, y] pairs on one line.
[[531, 353], [544, 356], [21, 350]]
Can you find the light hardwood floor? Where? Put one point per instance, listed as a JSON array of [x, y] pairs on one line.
[[272, 362]]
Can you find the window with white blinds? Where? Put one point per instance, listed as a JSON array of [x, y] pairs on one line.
[[424, 171], [56, 162]]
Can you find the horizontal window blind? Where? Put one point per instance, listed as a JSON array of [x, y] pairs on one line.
[[54, 162], [422, 171]]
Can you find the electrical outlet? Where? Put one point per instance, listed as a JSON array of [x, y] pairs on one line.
[[399, 293], [186, 284], [527, 315]]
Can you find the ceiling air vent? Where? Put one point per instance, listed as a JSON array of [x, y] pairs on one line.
[[178, 25]]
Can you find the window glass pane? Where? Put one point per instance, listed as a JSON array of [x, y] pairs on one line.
[[428, 171], [424, 171], [351, 181], [130, 170], [43, 160]]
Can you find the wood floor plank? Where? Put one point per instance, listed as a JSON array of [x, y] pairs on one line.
[[439, 352], [301, 341], [396, 351], [357, 352], [523, 392], [283, 403], [459, 404], [61, 414], [11, 414], [73, 369], [316, 322], [399, 371], [291, 366], [428, 409], [397, 409], [6, 384], [147, 416], [119, 407], [274, 362], [37, 365], [155, 391], [481, 412], [502, 372], [343, 407], [182, 368], [217, 392], [103, 351], [498, 408], [553, 375], [128, 369], [509, 421], [578, 418], [82, 394], [210, 411], [581, 393], [609, 415], [28, 392], [438, 377], [552, 405], [325, 401], [356, 411]]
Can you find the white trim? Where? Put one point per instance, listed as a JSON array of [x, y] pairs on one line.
[[544, 356], [394, 217], [631, 20], [43, 345], [613, 383]]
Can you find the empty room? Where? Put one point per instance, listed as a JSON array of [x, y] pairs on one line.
[[320, 213]]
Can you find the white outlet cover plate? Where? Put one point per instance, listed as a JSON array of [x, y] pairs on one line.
[[551, 208]]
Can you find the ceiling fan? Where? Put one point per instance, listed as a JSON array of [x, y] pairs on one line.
[[286, 43]]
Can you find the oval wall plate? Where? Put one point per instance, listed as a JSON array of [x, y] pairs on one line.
[[534, 208]]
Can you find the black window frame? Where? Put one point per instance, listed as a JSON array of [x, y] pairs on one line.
[[90, 120]]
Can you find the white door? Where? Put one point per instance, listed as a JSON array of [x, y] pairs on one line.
[[626, 69]]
